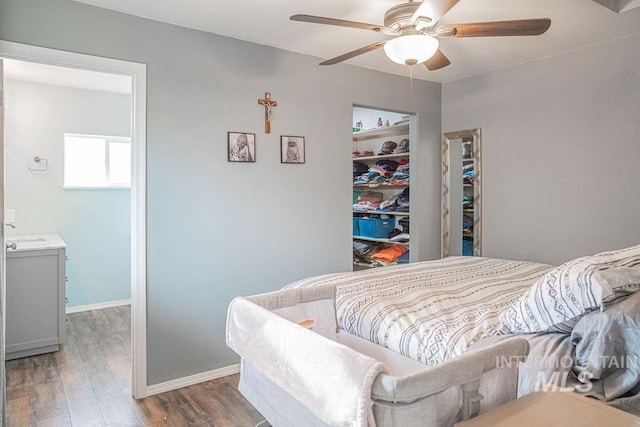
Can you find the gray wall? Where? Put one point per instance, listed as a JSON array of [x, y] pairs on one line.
[[217, 229], [95, 224], [561, 151]]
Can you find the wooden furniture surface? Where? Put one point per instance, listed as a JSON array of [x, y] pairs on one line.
[[553, 409]]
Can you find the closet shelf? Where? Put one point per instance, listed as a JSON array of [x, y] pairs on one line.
[[381, 157], [377, 187], [362, 266], [372, 212], [382, 132], [371, 239]]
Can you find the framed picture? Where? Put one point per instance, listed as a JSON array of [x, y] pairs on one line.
[[291, 149], [241, 146]]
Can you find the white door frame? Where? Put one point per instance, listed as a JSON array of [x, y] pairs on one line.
[[138, 73], [3, 260]]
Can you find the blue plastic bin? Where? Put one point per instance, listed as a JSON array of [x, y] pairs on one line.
[[376, 228], [356, 226], [467, 247]]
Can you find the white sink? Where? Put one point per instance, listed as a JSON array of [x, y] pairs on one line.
[[33, 242], [26, 239]]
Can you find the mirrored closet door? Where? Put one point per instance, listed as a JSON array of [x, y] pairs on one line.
[[461, 193]]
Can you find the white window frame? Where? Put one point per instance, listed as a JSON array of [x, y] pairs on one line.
[[108, 139]]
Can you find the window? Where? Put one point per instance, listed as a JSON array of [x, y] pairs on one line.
[[92, 161]]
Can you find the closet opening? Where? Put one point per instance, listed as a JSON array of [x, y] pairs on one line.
[[381, 152]]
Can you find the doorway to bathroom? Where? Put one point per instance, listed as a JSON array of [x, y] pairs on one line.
[[74, 143]]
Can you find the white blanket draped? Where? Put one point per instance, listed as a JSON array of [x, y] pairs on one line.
[[337, 387]]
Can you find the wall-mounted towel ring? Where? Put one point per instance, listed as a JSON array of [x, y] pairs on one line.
[[40, 164]]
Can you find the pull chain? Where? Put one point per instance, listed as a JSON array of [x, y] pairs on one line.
[[410, 77]]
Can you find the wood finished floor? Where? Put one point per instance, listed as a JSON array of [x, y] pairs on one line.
[[87, 383]]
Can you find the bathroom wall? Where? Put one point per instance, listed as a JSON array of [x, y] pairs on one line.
[[95, 224]]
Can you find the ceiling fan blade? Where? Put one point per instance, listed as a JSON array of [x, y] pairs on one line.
[[521, 27], [353, 53], [336, 22], [434, 9], [437, 61]]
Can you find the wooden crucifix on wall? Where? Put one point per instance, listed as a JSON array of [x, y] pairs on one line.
[[268, 104]]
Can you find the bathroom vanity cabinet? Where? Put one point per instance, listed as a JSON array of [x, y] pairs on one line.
[[35, 296]]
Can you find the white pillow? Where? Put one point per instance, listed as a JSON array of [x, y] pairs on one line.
[[558, 299]]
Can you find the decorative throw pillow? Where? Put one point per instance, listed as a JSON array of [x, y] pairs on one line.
[[558, 299]]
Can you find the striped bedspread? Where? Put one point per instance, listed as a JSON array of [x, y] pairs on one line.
[[429, 311]]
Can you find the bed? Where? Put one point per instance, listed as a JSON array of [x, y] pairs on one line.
[[426, 343]]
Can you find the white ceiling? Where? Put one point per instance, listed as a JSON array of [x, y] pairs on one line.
[[575, 24], [64, 76]]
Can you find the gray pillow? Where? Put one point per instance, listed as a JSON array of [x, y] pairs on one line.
[[607, 349]]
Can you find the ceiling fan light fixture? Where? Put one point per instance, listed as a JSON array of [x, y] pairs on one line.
[[411, 49]]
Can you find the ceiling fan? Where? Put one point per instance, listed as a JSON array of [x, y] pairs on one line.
[[416, 30]]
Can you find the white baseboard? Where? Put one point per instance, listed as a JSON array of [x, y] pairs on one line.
[[98, 306], [193, 379]]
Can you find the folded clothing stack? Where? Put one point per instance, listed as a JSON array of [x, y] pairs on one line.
[[377, 255], [368, 200]]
